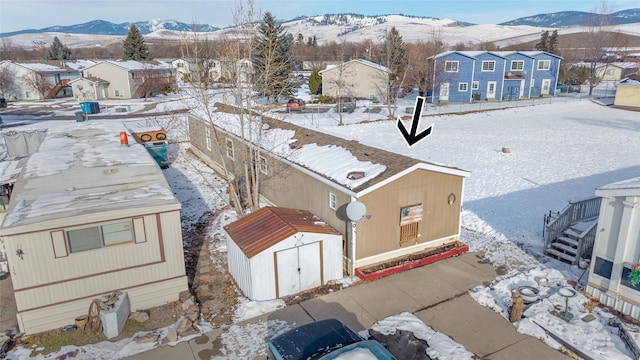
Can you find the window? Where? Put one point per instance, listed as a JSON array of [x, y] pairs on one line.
[[544, 64], [263, 164], [229, 145], [332, 201], [488, 65], [625, 279], [97, 237], [462, 86], [451, 66], [609, 71], [207, 137], [517, 65], [603, 267], [475, 85], [119, 93]]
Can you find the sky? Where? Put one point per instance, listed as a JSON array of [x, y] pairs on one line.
[[505, 197], [16, 15]]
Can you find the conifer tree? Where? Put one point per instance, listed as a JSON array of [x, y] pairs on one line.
[[315, 82], [272, 59], [543, 45], [553, 43], [392, 53], [134, 47], [57, 51]]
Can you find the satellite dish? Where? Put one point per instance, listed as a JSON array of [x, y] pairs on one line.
[[355, 210]]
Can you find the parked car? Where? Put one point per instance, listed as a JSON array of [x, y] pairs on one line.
[[573, 86], [346, 104], [359, 349], [320, 340], [3, 102], [296, 104]]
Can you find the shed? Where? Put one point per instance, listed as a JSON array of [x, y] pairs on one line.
[[275, 252]]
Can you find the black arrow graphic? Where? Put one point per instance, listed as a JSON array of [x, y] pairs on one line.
[[411, 137]]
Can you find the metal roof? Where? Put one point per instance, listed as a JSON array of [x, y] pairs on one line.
[[269, 225]]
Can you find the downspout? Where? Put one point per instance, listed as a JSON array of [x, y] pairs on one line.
[[555, 86], [433, 90], [533, 64], [504, 71], [352, 244], [473, 76]]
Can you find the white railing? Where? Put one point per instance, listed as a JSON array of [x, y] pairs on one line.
[[574, 212]]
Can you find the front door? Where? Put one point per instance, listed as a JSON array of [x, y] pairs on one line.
[[521, 94], [298, 269], [444, 92], [546, 85], [491, 90]]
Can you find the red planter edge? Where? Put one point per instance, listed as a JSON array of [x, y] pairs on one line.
[[412, 264]]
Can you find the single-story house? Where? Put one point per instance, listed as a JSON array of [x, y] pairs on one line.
[[124, 79], [275, 252], [467, 76], [616, 247], [359, 78], [616, 71], [40, 80], [87, 217], [411, 205], [628, 93]]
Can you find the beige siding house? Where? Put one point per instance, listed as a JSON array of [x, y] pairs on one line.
[[616, 71], [88, 217], [358, 78], [126, 79], [628, 93], [411, 205]]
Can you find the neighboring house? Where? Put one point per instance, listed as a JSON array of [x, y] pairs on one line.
[[466, 76], [185, 69], [361, 79], [40, 80], [628, 93], [89, 89], [89, 217], [411, 205], [617, 247], [275, 252], [616, 71], [235, 70], [124, 79]]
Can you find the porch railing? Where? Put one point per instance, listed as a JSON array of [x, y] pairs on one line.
[[575, 211]]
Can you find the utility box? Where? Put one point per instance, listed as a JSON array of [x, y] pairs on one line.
[[158, 151], [80, 116]]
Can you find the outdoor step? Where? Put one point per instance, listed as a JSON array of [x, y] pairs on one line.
[[565, 248], [569, 241], [572, 233], [561, 256]]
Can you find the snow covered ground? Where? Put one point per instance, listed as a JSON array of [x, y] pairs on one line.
[[560, 149]]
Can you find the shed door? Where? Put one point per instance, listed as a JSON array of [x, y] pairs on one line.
[[491, 89], [298, 269], [444, 91], [546, 85]]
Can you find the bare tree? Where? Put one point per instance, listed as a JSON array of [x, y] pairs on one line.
[[7, 82], [600, 38], [38, 82]]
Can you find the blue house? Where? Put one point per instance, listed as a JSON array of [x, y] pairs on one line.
[[467, 76]]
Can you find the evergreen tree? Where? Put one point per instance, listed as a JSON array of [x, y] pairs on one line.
[[315, 82], [392, 53], [57, 51], [134, 47], [553, 43], [543, 45], [272, 59]]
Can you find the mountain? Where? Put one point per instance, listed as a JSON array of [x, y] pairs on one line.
[[574, 18], [101, 27]]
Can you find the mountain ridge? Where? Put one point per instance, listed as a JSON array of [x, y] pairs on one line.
[[102, 27]]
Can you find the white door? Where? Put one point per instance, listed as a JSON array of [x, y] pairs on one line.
[[521, 94], [298, 269], [444, 92], [546, 85], [491, 89]]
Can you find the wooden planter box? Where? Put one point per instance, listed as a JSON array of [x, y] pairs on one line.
[[377, 271]]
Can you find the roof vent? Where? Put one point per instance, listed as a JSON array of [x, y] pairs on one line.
[[355, 175]]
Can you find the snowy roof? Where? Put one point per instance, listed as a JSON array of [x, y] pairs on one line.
[[41, 67], [331, 157], [131, 65], [621, 65], [633, 79], [86, 175], [629, 187], [363, 62], [9, 170]]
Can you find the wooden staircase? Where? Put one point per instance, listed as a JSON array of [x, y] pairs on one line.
[[56, 89], [569, 237]]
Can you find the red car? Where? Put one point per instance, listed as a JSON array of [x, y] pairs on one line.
[[295, 104]]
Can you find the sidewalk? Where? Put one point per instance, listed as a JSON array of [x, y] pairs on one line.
[[435, 293]]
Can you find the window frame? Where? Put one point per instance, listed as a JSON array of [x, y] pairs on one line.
[[333, 201], [488, 62], [475, 85], [603, 266], [102, 240], [463, 87], [262, 160], [514, 62], [229, 150], [449, 66], [542, 67], [118, 92]]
